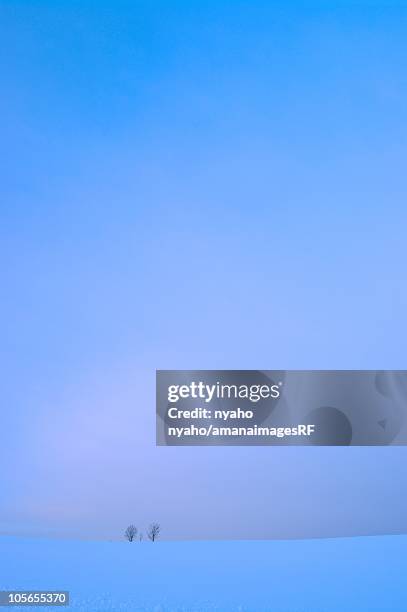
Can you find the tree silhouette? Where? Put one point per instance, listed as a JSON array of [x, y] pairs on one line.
[[130, 533], [153, 531]]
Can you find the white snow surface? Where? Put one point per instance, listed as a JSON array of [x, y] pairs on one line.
[[366, 574]]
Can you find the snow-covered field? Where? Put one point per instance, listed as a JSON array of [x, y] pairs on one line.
[[343, 575]]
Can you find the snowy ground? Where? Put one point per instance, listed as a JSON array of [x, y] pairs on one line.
[[343, 575]]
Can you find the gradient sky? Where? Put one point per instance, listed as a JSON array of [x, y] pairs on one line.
[[195, 185]]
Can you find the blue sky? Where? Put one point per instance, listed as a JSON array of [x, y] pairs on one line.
[[195, 185]]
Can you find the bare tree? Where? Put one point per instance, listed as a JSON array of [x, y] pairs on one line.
[[130, 533], [153, 531]]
